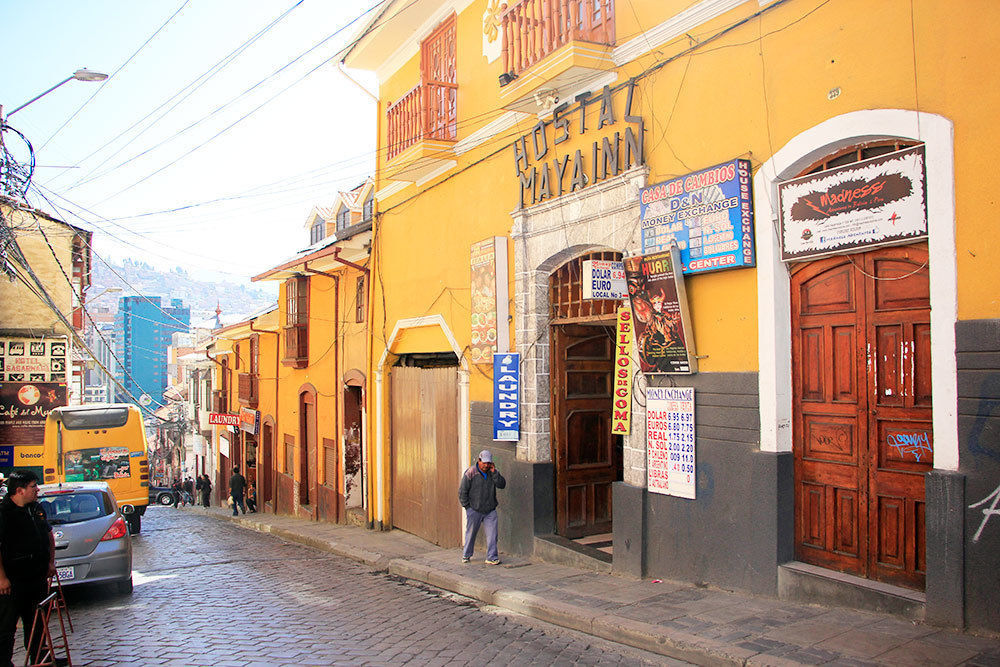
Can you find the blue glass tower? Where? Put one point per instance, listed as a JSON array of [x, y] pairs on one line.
[[144, 329]]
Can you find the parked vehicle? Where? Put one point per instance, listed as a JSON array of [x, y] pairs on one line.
[[162, 495], [100, 442], [93, 543]]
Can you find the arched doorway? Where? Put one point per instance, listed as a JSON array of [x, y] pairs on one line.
[[862, 435], [588, 458], [267, 461], [307, 446]]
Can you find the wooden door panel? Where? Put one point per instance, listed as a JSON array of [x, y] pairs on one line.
[[846, 527], [921, 364], [888, 342], [891, 519], [843, 364], [830, 438], [811, 374], [831, 292], [812, 514]]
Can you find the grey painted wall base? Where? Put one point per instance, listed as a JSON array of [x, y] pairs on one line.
[[802, 582], [629, 529], [945, 553]]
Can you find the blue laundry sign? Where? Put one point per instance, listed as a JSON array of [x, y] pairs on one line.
[[506, 396]]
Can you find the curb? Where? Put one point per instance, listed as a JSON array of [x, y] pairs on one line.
[[637, 634]]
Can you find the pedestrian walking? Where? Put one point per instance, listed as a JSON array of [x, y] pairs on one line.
[[237, 486], [252, 497], [206, 490], [478, 495], [189, 491], [175, 488], [28, 557]]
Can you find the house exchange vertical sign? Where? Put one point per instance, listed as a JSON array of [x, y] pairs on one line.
[[506, 396]]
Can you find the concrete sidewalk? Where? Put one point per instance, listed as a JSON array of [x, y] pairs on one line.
[[705, 626]]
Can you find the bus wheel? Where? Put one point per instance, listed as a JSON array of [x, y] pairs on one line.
[[134, 523]]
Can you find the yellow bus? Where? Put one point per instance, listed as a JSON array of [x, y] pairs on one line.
[[103, 442]]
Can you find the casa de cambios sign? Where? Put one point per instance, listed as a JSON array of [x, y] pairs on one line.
[[874, 202], [708, 214], [545, 172]]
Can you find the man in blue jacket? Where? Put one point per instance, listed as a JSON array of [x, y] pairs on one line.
[[478, 495]]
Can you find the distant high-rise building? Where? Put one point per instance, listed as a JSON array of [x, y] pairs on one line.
[[144, 329]]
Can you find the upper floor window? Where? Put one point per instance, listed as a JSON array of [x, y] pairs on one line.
[[369, 209], [430, 110], [297, 322], [317, 232], [360, 301], [343, 218]]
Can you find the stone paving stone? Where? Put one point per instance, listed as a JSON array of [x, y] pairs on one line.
[[861, 643], [922, 652]]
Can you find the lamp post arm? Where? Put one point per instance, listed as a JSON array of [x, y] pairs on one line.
[[66, 80]]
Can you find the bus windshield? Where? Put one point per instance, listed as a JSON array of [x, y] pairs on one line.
[[79, 420]]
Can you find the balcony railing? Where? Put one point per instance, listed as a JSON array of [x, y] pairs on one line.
[[429, 111], [296, 346], [247, 387], [532, 29]]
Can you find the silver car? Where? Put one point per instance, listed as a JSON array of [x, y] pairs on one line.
[[92, 537]]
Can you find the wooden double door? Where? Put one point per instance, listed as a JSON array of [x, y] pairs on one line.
[[862, 434], [588, 457], [425, 456]]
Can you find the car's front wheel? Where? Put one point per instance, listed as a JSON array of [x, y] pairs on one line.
[[165, 499], [124, 587]]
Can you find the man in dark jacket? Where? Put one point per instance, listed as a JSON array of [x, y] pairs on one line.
[[478, 495], [237, 485], [27, 553]]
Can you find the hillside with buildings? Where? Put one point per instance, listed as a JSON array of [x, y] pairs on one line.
[[138, 277]]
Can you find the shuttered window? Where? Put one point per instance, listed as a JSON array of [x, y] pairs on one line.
[[297, 322]]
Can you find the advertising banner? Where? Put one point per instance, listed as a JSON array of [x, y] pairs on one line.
[[507, 396], [24, 407], [664, 339], [874, 202], [603, 279], [33, 360], [97, 463], [250, 421], [670, 465], [490, 332], [223, 419], [621, 422], [708, 214]]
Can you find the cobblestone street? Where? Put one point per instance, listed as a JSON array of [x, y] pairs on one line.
[[210, 593]]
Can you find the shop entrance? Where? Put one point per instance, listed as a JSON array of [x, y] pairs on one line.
[[862, 433], [587, 457]]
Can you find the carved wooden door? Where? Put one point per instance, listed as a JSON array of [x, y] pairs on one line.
[[588, 458], [862, 434]]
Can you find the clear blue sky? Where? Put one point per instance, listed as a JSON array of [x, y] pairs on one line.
[[295, 152]]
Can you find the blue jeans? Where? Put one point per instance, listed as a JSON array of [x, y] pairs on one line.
[[473, 520], [238, 504]]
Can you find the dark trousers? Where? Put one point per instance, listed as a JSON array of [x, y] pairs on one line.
[[177, 498], [205, 496], [238, 504], [20, 603], [252, 504]]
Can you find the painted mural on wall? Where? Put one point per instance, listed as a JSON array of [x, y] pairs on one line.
[[660, 313], [490, 331], [873, 202], [708, 214]]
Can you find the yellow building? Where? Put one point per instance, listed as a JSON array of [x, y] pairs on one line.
[[823, 168], [310, 449]]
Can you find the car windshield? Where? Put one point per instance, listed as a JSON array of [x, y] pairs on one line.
[[76, 506]]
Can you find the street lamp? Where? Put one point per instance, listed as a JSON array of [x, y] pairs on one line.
[[79, 75]]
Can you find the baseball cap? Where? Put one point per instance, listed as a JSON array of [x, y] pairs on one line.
[[485, 456]]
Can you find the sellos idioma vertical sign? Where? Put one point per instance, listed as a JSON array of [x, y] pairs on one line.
[[506, 396]]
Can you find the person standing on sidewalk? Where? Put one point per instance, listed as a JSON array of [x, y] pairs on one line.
[[237, 485], [28, 557], [478, 495], [206, 490]]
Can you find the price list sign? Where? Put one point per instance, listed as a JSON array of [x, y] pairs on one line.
[[670, 441]]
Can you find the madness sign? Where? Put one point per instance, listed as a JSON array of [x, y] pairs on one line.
[[31, 360], [879, 201], [23, 409], [621, 412], [659, 309], [708, 214]]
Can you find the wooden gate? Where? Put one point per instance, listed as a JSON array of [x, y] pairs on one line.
[[588, 458], [862, 436], [425, 465]]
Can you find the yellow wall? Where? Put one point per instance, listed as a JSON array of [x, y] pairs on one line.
[[745, 94], [19, 307]]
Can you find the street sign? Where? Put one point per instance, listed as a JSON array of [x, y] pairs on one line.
[[223, 419]]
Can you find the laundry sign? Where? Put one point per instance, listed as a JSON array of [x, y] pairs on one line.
[[506, 396]]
